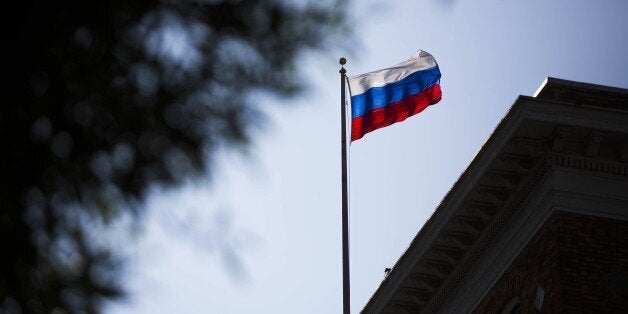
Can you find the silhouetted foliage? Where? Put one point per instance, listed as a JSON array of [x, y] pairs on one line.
[[105, 98]]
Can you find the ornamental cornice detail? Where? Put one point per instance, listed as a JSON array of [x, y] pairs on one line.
[[500, 191]]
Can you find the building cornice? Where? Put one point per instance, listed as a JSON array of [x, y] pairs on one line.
[[536, 136], [563, 188]]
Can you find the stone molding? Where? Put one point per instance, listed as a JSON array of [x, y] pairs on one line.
[[535, 141]]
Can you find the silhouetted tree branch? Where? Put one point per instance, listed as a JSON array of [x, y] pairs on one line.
[[106, 98]]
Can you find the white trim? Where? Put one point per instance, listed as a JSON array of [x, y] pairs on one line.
[[538, 90]]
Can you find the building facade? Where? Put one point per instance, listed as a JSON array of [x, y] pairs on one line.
[[538, 222]]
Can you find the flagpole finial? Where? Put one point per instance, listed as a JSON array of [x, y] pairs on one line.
[[342, 62]]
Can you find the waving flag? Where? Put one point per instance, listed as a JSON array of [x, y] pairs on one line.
[[387, 96]]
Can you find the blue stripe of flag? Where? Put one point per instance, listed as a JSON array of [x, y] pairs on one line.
[[380, 97]]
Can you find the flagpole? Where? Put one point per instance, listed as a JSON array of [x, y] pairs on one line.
[[345, 200]]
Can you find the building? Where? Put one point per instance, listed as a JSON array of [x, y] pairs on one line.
[[537, 222]]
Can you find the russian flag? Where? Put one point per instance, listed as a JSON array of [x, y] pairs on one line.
[[387, 96]]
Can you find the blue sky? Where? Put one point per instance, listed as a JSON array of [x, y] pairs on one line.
[[263, 236]]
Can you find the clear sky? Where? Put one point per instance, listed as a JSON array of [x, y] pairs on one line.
[[264, 235]]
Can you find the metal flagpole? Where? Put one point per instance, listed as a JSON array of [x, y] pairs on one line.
[[345, 200]]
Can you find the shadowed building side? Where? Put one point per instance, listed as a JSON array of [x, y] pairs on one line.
[[537, 222]]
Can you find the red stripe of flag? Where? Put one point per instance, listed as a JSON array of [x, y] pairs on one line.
[[395, 112]]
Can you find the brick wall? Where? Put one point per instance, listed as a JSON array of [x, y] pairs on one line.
[[536, 266], [568, 258], [590, 248]]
